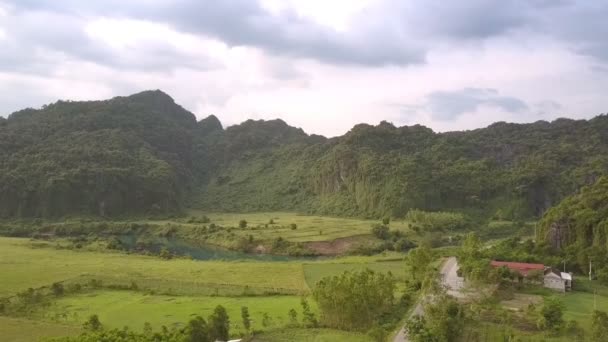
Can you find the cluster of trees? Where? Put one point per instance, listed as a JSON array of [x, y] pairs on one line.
[[436, 221], [394, 240], [443, 321], [355, 300], [142, 154]]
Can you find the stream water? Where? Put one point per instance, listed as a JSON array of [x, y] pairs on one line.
[[195, 250]]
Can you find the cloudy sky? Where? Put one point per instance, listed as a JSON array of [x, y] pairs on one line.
[[320, 65]]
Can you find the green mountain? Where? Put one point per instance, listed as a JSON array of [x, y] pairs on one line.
[[580, 219], [143, 154]]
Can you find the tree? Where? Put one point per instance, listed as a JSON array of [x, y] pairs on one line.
[[419, 260], [165, 253], [378, 334], [242, 224], [386, 221], [380, 231], [551, 314], [354, 300], [293, 317], [266, 320], [198, 331], [245, 317], [443, 321], [57, 289], [92, 324], [599, 326], [309, 318], [219, 324], [148, 331]]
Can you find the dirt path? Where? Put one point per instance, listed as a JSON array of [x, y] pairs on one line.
[[454, 285]]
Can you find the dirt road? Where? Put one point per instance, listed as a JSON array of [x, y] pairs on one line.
[[454, 285]]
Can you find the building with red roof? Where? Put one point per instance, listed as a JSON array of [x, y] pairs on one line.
[[559, 281], [520, 267]]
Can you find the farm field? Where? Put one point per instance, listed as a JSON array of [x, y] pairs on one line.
[[169, 292], [311, 335], [309, 227], [314, 272], [119, 308], [24, 330], [31, 267]]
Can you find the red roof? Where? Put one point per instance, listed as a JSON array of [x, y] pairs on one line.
[[521, 267]]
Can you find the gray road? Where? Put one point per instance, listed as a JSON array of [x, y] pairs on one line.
[[454, 285]]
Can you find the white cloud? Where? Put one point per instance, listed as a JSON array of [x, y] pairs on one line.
[[322, 86]]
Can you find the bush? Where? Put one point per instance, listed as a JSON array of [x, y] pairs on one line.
[[242, 224], [57, 289], [293, 226], [380, 231]]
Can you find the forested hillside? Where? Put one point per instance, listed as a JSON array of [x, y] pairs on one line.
[[144, 154], [580, 219], [508, 171], [131, 154]]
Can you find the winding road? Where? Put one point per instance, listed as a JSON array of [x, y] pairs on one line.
[[454, 285]]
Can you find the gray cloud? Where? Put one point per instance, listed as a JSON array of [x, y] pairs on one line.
[[388, 33], [37, 39], [449, 105]]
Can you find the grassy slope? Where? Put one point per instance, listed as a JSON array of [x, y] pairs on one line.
[[308, 226]]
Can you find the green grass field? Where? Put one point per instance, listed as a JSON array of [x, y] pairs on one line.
[[314, 272], [30, 267], [311, 335], [22, 266], [309, 228], [579, 306], [117, 309], [24, 330]]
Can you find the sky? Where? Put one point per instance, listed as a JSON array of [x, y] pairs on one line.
[[320, 65]]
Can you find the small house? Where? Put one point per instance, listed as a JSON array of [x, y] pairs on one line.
[[559, 281]]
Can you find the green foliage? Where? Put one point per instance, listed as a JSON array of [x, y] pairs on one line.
[[599, 326], [57, 289], [380, 231], [437, 221], [219, 324], [579, 225], [246, 319], [419, 261], [355, 301], [309, 319], [92, 324], [198, 331], [473, 265], [293, 317], [128, 155], [144, 154], [551, 314], [443, 321], [242, 224]]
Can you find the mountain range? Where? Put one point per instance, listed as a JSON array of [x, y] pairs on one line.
[[144, 154]]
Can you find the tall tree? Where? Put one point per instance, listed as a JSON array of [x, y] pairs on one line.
[[219, 324]]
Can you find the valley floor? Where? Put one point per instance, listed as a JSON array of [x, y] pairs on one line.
[[131, 290]]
